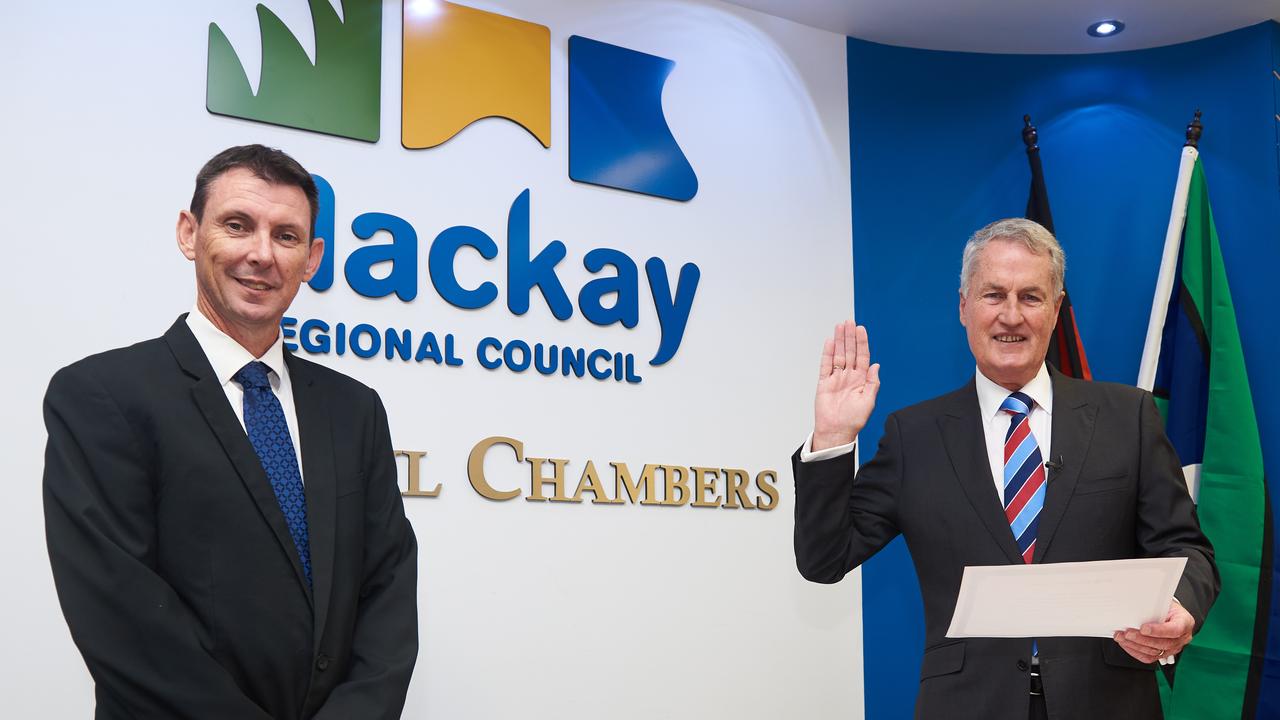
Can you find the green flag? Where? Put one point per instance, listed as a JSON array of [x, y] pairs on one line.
[[1202, 390]]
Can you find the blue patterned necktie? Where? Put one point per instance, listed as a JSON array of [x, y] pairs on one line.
[[269, 433], [1024, 478]]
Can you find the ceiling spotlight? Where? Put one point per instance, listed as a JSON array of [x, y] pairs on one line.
[[1105, 28]]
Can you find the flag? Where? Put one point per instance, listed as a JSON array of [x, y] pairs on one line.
[[1066, 349], [1194, 366]]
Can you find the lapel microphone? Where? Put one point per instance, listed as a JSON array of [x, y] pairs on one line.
[[1054, 464]]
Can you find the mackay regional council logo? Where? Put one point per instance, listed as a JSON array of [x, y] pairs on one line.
[[460, 65]]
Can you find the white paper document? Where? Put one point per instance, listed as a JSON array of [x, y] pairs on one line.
[[1085, 599]]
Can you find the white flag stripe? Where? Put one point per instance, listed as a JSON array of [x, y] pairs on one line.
[[1192, 475], [1168, 266]]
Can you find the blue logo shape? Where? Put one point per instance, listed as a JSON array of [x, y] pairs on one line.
[[618, 136]]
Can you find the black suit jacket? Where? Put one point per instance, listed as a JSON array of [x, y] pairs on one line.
[[173, 562], [1119, 494]]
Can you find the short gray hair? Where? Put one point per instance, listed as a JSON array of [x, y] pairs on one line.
[[1028, 232]]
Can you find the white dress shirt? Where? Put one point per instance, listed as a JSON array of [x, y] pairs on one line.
[[995, 423], [227, 357]]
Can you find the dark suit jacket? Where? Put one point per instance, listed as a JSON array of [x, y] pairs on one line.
[[172, 560], [1119, 494]]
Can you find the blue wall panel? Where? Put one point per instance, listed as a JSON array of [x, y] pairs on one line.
[[936, 153]]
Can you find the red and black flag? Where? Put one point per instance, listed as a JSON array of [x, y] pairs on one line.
[[1066, 351]]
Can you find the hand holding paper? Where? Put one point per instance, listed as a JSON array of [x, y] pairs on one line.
[[1086, 599], [1159, 640]]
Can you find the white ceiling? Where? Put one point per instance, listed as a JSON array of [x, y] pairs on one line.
[[1021, 26]]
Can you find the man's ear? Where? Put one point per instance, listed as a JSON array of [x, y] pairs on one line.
[[315, 254], [187, 227], [962, 300]]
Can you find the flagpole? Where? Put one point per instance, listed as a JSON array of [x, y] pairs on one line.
[[1169, 258], [1038, 202]]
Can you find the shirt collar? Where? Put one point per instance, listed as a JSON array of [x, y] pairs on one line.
[[991, 395], [227, 356]]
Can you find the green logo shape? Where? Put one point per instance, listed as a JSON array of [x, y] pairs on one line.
[[338, 95]]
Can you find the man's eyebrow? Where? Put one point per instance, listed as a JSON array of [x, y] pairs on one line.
[[233, 212]]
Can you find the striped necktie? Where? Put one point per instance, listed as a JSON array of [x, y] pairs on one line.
[[268, 431], [1024, 478]]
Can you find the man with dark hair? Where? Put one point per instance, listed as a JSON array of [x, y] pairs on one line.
[[269, 164], [967, 479], [223, 518]]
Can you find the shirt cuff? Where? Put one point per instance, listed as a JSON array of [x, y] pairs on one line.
[[808, 455]]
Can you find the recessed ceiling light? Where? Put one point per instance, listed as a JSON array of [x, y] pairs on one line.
[[1105, 28]]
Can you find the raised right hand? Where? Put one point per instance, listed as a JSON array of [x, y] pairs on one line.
[[847, 387]]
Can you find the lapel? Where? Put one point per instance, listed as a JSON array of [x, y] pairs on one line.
[[965, 440], [210, 398], [1073, 422], [315, 433]]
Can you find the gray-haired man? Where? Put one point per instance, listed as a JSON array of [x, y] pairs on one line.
[[1022, 464]]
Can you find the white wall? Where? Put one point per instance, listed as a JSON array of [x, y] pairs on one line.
[[527, 609]]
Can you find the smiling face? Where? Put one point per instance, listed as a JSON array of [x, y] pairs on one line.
[[252, 252], [1009, 311]]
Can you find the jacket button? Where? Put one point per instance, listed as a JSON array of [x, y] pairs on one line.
[[1022, 665], [322, 663]]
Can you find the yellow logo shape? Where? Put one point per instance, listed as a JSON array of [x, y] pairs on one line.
[[462, 65]]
